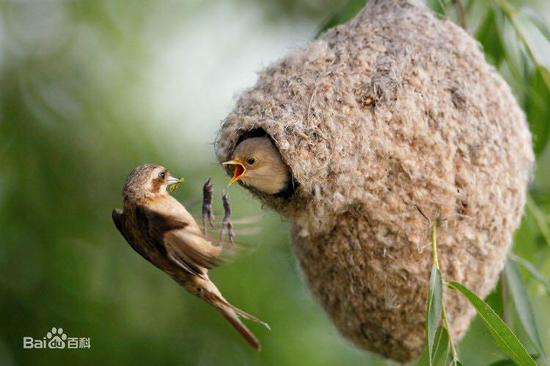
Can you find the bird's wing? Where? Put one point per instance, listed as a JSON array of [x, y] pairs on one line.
[[193, 247], [180, 241], [119, 221]]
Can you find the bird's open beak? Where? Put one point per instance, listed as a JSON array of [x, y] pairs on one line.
[[239, 170], [174, 183]]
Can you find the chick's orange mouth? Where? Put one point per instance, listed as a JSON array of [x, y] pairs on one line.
[[238, 172]]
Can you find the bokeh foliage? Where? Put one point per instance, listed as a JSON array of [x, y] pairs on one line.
[[75, 117]]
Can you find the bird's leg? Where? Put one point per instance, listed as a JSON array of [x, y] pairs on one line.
[[227, 225], [207, 215]]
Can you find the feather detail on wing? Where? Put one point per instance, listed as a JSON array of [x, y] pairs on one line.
[[181, 241], [192, 247]]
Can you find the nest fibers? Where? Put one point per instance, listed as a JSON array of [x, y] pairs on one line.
[[393, 110]]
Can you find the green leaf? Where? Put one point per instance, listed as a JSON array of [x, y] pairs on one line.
[[433, 316], [513, 48], [541, 221], [476, 13], [441, 347], [342, 15], [433, 311], [538, 108], [440, 353], [533, 33], [424, 357], [492, 44], [534, 39], [532, 36], [545, 76], [523, 306], [495, 300], [504, 338], [504, 362], [532, 270], [508, 362], [438, 6], [538, 19]]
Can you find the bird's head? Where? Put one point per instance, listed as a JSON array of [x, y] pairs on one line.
[[150, 180], [257, 163]]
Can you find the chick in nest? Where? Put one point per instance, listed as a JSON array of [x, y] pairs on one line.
[[258, 164]]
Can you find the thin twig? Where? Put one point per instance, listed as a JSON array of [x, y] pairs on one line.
[[422, 213]]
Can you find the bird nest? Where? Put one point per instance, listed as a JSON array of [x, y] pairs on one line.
[[392, 111]]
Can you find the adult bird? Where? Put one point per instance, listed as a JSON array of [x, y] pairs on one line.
[[163, 232]]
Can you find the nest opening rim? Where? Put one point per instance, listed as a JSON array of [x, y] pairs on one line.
[[293, 186]]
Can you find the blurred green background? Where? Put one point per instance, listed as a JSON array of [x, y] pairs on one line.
[[90, 89]]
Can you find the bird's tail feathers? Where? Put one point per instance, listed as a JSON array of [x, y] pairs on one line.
[[247, 316], [232, 314]]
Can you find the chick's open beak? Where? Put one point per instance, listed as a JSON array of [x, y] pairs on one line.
[[239, 170], [174, 183]]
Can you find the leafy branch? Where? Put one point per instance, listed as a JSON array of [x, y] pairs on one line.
[[532, 38], [438, 337]]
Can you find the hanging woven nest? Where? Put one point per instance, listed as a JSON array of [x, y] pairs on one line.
[[392, 111]]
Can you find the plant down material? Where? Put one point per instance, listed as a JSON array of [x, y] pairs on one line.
[[392, 111]]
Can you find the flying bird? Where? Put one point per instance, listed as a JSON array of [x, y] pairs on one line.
[[162, 231], [258, 164]]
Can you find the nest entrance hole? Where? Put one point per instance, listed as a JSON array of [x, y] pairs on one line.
[[260, 132]]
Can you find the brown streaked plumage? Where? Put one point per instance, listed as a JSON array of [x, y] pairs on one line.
[[258, 164], [163, 232]]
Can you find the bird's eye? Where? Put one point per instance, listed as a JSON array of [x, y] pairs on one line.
[[251, 161], [162, 175]]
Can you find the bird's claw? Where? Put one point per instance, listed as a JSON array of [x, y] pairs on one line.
[[227, 225], [207, 215]]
